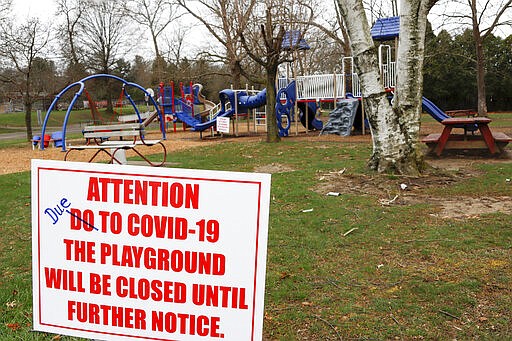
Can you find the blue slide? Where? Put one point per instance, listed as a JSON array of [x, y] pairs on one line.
[[225, 96], [439, 115], [434, 111], [244, 102], [285, 106]]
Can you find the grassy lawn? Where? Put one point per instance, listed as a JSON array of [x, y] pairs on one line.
[[359, 266]]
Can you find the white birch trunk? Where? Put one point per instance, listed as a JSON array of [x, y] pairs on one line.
[[395, 131], [409, 84]]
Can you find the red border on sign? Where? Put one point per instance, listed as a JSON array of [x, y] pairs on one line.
[[39, 169]]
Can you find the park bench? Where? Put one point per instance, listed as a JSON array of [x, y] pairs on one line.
[[110, 139], [495, 142]]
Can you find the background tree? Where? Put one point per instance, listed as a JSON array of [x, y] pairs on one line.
[[499, 68], [72, 11], [224, 20], [105, 36], [5, 9], [155, 16], [483, 17], [449, 77], [270, 59], [20, 46]]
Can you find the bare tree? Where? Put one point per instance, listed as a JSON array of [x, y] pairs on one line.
[[225, 20], [155, 15], [331, 27], [267, 48], [270, 59], [395, 130], [5, 9], [72, 11], [484, 17], [105, 36], [20, 46]]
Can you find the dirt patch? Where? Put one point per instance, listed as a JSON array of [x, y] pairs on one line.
[[273, 168], [398, 190], [464, 207]]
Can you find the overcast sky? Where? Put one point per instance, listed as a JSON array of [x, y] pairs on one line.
[[39, 8], [45, 9]]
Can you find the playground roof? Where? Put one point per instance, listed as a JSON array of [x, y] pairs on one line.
[[386, 28], [293, 40]]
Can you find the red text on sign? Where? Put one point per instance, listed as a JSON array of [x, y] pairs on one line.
[[186, 324], [157, 290], [106, 315], [219, 296], [163, 259], [64, 279], [80, 251], [141, 192], [100, 284], [157, 226]]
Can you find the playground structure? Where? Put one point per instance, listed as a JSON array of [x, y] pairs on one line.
[[299, 101], [388, 29], [298, 98], [138, 117], [309, 91]]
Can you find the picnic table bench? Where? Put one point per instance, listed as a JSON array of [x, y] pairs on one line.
[[495, 142], [462, 113], [130, 136]]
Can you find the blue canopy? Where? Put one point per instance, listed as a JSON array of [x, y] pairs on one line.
[[293, 40], [386, 28]]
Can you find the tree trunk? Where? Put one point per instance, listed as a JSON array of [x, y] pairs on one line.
[[236, 73], [28, 117], [28, 105], [480, 74], [409, 85], [395, 148], [270, 109], [155, 42]]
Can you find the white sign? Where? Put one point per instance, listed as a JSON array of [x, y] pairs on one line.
[[128, 252], [223, 125]]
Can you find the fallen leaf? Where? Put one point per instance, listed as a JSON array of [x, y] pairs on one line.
[[12, 304], [13, 326]]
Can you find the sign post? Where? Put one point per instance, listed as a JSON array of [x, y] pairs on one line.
[[130, 252]]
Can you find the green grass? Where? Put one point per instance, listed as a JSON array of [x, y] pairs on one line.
[[403, 273]]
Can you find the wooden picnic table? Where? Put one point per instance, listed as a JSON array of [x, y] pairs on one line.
[[494, 142]]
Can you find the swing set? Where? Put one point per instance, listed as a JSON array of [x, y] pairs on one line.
[[138, 117]]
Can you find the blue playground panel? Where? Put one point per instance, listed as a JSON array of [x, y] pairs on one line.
[[292, 40], [386, 29]]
